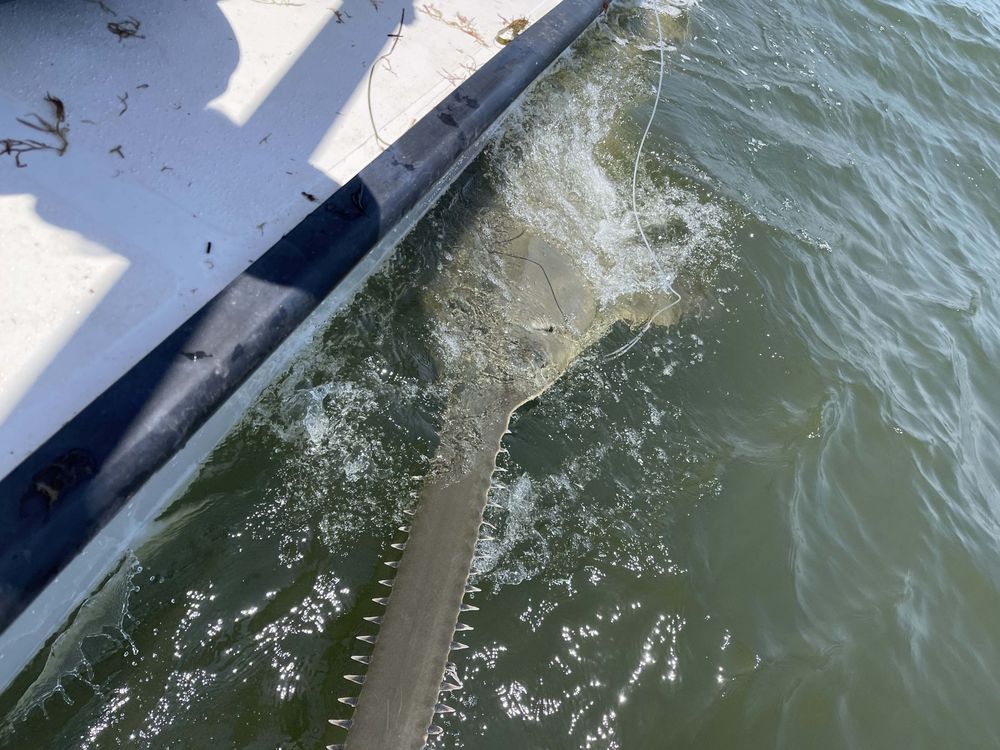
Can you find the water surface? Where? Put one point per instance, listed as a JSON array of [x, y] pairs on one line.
[[774, 525]]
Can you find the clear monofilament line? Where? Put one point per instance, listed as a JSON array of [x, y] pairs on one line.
[[664, 276]]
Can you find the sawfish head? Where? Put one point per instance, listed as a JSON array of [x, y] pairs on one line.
[[517, 313]]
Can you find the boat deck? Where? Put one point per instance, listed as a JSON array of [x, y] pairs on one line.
[[177, 145]]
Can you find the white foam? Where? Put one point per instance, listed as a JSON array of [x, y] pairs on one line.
[[560, 180], [97, 627]]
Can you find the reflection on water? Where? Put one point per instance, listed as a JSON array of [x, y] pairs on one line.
[[774, 524]]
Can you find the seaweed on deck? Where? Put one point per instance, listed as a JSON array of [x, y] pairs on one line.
[[103, 6], [463, 23], [510, 31], [54, 126], [126, 29]]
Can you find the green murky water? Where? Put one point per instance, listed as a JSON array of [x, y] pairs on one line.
[[774, 525]]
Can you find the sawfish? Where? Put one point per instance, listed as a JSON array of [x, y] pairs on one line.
[[511, 319]]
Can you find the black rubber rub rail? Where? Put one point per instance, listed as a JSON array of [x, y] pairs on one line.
[[61, 496]]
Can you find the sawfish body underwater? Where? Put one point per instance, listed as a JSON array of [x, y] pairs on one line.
[[510, 316], [511, 320]]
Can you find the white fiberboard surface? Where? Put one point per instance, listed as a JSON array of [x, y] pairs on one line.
[[215, 122]]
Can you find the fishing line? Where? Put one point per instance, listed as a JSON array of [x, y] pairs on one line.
[[382, 144], [664, 276], [555, 298]]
